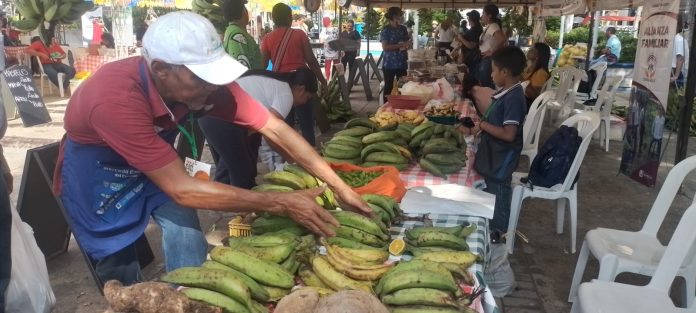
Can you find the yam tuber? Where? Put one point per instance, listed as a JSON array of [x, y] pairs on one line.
[[151, 297]]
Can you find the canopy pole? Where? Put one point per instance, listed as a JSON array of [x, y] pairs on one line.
[[416, 21], [687, 104], [560, 38], [367, 23], [593, 40]]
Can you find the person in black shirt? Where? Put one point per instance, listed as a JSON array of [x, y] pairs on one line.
[[351, 34], [470, 41]]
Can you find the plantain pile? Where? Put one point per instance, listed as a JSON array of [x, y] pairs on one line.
[[421, 240], [426, 285], [294, 177], [441, 148], [212, 10], [35, 12], [332, 101]]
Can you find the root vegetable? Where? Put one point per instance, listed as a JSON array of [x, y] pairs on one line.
[[151, 297]]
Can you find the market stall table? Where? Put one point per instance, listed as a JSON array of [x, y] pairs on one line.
[[18, 52], [91, 63], [416, 176]]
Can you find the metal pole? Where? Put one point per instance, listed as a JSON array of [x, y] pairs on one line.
[[367, 22], [560, 38], [687, 104], [593, 38]]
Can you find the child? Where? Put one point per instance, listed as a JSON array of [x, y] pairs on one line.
[[501, 133]]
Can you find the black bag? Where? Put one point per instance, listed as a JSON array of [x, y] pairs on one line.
[[495, 159], [586, 86], [555, 157]]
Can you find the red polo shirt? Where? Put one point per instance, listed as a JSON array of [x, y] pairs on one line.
[[112, 109], [294, 53]]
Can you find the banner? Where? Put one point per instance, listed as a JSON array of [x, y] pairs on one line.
[[642, 146]]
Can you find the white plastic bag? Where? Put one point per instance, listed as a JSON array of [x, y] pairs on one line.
[[29, 289], [499, 275]]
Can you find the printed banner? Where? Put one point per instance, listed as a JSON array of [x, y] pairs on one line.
[[642, 146]]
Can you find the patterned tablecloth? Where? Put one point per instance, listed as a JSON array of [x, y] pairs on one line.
[[18, 52], [416, 176], [477, 242], [91, 63]]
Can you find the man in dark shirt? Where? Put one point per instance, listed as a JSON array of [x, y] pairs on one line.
[[351, 34], [470, 40]]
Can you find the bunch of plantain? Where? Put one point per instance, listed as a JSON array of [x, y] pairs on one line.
[[441, 148], [421, 240], [217, 286], [385, 120], [422, 286], [212, 10], [387, 148], [36, 12], [346, 144], [385, 207], [361, 229], [293, 177], [334, 105], [411, 117]]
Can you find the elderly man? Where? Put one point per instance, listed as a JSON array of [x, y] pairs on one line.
[[117, 167]]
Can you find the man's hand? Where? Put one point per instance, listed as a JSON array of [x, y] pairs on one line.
[[8, 182], [300, 207], [350, 200]]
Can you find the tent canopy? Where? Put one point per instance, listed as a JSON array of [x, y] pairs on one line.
[[548, 7]]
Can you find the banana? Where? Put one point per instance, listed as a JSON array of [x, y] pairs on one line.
[[292, 230], [416, 251], [422, 128], [27, 10], [213, 279], [271, 188], [257, 293], [360, 259], [413, 233], [463, 258], [387, 135], [381, 213], [63, 10], [431, 168], [26, 24], [330, 202], [343, 142], [258, 307], [310, 181], [359, 236], [398, 166], [264, 272], [418, 139], [216, 299], [347, 243], [435, 239], [407, 126], [322, 291], [414, 266], [386, 157], [438, 129], [379, 147], [333, 278], [405, 152], [271, 223], [421, 296], [351, 139], [355, 273], [335, 150], [426, 309], [382, 201], [289, 263], [274, 254], [359, 221], [431, 148], [275, 292], [285, 179], [305, 242], [417, 279], [309, 278], [357, 131], [354, 161], [360, 121], [443, 159], [466, 231], [266, 240], [36, 6]]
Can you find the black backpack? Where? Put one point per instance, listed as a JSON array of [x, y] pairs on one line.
[[555, 157]]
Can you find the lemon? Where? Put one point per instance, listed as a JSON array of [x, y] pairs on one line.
[[397, 246]]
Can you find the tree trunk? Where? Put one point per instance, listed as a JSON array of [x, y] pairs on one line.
[[48, 34]]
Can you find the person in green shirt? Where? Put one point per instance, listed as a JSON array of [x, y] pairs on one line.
[[237, 41]]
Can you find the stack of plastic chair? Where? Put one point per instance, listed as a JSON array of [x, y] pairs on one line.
[[566, 194], [620, 251], [565, 82], [600, 68], [604, 104], [608, 296], [532, 125], [48, 82]]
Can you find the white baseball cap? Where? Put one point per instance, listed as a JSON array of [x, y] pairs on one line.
[[186, 38]]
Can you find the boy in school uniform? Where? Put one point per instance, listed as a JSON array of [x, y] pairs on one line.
[[501, 133]]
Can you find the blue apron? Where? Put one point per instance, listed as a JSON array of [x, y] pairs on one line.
[[108, 201]]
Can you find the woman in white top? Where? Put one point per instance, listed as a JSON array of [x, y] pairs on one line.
[[234, 150], [491, 40], [444, 34], [328, 33]]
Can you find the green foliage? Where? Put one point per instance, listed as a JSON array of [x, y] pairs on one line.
[[628, 46], [576, 35], [552, 37], [425, 18], [374, 20], [517, 19], [553, 23]]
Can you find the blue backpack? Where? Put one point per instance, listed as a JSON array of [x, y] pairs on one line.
[[555, 157]]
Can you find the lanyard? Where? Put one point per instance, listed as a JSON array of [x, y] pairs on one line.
[[189, 136]]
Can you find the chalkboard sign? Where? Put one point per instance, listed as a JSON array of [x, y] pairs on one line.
[[31, 107]]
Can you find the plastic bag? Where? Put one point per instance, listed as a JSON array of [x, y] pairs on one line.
[[29, 289], [499, 275], [388, 184]]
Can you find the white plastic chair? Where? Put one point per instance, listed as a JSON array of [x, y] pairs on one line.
[[532, 125], [565, 82], [603, 296], [586, 124], [638, 252], [599, 68], [604, 104], [61, 76]]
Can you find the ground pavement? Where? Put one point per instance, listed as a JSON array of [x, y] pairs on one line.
[[543, 267]]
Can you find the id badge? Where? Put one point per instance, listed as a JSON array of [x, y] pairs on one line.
[[197, 169]]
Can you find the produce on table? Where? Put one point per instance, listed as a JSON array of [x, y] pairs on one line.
[[294, 177], [444, 109], [152, 297], [441, 148], [332, 101], [302, 300], [358, 178], [37, 13], [307, 300], [223, 282], [422, 240], [410, 117], [570, 51]]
